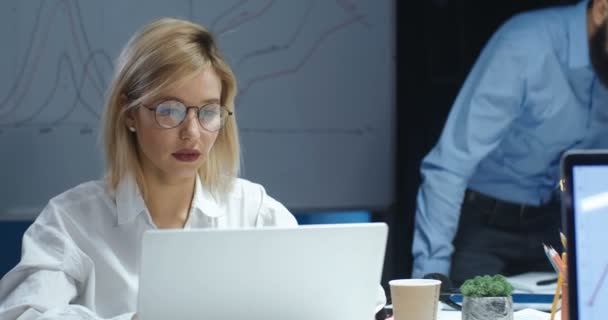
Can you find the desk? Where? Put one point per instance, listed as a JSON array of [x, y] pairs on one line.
[[449, 315], [525, 314]]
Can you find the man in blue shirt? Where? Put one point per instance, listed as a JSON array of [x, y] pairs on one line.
[[488, 198]]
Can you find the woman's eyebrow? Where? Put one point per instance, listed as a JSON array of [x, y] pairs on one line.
[[208, 101], [204, 102]]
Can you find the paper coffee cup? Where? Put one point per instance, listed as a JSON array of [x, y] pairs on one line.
[[415, 299]]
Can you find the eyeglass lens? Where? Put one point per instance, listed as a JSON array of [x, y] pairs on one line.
[[170, 114]]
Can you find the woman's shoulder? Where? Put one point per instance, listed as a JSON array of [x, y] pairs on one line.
[[85, 199], [83, 192], [245, 190], [251, 194], [243, 185], [270, 212]]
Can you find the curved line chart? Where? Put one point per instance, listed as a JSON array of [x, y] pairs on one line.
[[22, 86], [276, 48], [315, 81], [303, 61], [80, 72]]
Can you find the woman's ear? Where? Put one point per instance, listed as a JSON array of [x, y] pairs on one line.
[[129, 117]]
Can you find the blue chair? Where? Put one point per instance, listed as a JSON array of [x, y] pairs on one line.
[[11, 234], [333, 217]]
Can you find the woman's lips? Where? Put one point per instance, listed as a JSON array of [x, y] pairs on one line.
[[186, 155]]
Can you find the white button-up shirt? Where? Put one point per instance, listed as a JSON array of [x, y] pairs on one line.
[[80, 258]]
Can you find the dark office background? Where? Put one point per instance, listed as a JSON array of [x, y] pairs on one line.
[[437, 43]]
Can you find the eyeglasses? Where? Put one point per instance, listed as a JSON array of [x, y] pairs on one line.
[[171, 113]]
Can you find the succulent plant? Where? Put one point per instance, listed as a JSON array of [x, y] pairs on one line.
[[487, 286]]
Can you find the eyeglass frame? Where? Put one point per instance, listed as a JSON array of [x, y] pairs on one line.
[[197, 108]]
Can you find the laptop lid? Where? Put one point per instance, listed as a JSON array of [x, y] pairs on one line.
[[585, 210], [307, 272]]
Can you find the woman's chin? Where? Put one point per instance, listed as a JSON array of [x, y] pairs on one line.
[[184, 173]]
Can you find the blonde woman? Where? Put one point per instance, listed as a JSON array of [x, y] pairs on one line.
[[172, 155]]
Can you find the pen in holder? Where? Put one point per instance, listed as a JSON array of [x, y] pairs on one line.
[[565, 295], [564, 275], [559, 264]]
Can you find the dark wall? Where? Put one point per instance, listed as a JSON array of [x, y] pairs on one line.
[[437, 43]]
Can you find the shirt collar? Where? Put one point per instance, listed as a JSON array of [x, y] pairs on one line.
[[203, 201], [130, 204], [579, 39]]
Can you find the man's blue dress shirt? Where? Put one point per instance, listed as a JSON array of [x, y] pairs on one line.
[[531, 95]]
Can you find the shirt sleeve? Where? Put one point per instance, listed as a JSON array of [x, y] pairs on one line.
[[491, 98], [51, 277]]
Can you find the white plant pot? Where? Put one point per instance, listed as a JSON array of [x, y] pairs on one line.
[[487, 308]]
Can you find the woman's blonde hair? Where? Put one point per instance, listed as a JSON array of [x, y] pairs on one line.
[[156, 59]]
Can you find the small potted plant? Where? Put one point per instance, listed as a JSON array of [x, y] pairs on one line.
[[487, 297]]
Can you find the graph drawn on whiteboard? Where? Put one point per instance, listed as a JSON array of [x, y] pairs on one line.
[[315, 103]]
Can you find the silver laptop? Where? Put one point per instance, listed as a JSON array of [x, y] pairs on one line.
[[308, 272], [585, 208]]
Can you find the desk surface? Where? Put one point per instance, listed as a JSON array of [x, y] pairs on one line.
[[524, 314]]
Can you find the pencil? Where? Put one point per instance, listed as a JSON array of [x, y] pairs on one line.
[[558, 260], [562, 237], [556, 296], [550, 258], [565, 298]]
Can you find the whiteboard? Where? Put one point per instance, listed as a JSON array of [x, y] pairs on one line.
[[315, 105]]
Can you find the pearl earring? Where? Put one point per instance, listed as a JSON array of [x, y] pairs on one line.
[[132, 129]]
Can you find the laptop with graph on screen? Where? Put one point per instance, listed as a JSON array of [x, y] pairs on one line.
[[585, 216]]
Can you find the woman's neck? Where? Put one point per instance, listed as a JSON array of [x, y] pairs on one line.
[[169, 200]]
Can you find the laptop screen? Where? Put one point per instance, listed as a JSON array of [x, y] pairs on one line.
[[587, 217]]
